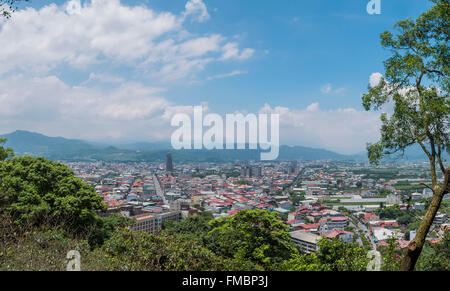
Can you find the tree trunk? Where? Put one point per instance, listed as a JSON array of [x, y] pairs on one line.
[[415, 246]]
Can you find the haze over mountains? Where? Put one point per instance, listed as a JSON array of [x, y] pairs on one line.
[[59, 148]]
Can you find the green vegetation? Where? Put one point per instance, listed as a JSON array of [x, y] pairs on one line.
[[198, 175], [391, 255], [296, 197], [365, 241], [408, 187], [199, 207], [129, 250], [252, 237], [335, 203], [383, 193], [435, 257], [195, 226], [333, 255], [38, 191], [256, 235], [391, 212], [241, 182], [403, 217], [126, 250], [416, 83], [5, 153]]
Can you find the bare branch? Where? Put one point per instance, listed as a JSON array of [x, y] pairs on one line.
[[426, 185]]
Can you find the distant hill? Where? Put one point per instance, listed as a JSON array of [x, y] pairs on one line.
[[59, 148], [30, 143], [305, 153]]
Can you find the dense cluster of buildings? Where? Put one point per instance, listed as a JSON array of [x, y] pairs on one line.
[[315, 199]]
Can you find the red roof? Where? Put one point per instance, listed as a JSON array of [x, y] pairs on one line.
[[309, 226], [382, 243], [403, 243], [339, 218], [233, 212], [336, 233], [368, 216], [292, 221]]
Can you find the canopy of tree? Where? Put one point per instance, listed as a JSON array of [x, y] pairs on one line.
[[5, 153], [38, 191], [255, 235], [333, 255], [416, 82]]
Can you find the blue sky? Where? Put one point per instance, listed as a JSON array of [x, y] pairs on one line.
[[287, 54]]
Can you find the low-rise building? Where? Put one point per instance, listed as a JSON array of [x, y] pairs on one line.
[[339, 222], [440, 219], [305, 241], [152, 222], [346, 236]]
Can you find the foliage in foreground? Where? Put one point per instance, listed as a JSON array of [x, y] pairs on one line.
[[416, 83], [333, 255], [40, 192]]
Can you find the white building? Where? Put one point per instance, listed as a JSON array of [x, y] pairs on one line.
[[412, 235], [383, 234], [305, 241], [440, 219]]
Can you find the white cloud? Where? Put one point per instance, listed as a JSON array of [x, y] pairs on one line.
[[327, 89], [48, 105], [231, 51], [102, 28], [375, 79], [155, 43], [44, 95], [340, 90], [231, 74], [38, 44], [197, 9], [313, 107], [104, 78], [73, 7], [137, 112], [343, 130], [109, 32]]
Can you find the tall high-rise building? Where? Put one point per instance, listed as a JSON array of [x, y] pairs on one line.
[[293, 168], [257, 171], [169, 163], [248, 172]]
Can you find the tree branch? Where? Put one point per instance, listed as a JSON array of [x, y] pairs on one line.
[[436, 72], [426, 185]]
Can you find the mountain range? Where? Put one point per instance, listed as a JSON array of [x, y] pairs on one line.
[[59, 148]]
